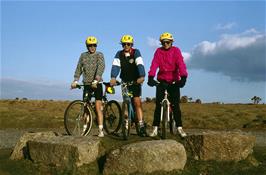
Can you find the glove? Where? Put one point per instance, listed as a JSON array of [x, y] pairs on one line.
[[140, 80], [74, 84], [182, 82], [152, 82], [113, 82], [94, 84]]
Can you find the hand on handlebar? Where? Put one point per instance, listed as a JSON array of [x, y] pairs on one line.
[[181, 83], [152, 82], [74, 84], [113, 82], [94, 84], [140, 80]]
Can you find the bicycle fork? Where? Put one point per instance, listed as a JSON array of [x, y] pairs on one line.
[[168, 111], [168, 106]]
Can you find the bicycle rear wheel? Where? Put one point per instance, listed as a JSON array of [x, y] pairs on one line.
[[164, 121], [76, 116], [126, 123], [112, 117]]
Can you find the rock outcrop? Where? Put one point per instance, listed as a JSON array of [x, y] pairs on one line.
[[220, 146], [146, 157], [65, 151], [21, 150]]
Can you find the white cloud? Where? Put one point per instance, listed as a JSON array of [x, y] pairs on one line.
[[240, 56], [154, 43], [186, 56], [226, 26]]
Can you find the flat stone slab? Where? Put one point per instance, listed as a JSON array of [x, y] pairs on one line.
[[20, 150], [65, 151], [220, 145]]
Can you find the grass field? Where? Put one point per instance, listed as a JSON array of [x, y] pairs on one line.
[[49, 115]]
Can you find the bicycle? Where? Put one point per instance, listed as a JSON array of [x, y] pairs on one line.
[[129, 108], [79, 113], [166, 116]]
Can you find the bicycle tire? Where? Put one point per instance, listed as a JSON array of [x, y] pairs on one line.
[[112, 117], [75, 115], [172, 124], [164, 121], [126, 130]]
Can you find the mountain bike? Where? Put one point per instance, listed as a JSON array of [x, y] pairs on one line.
[[80, 113], [128, 107], [166, 116]]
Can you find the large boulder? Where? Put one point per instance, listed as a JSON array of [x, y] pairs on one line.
[[146, 157], [65, 151], [20, 150], [220, 146]]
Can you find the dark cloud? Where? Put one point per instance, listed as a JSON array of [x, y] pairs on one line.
[[241, 57]]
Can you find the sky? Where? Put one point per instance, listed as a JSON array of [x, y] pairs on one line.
[[223, 44]]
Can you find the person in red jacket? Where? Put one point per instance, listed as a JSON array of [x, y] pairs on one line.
[[172, 75]]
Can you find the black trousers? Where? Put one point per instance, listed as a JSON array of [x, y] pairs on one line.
[[173, 96]]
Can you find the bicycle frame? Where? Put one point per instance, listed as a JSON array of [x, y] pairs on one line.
[[168, 117], [127, 102], [127, 99]]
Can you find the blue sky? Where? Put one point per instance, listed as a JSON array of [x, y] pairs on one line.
[[223, 44]]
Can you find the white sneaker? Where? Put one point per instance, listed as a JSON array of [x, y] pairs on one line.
[[181, 132], [154, 132], [101, 134]]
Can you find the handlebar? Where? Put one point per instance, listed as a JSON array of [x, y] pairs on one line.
[[164, 84]]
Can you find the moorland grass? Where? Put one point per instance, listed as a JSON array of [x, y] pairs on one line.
[[49, 114]]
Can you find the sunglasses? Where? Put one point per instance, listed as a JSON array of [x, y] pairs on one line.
[[126, 44], [166, 42], [92, 45]]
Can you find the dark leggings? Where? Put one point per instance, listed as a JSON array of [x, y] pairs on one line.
[[173, 96]]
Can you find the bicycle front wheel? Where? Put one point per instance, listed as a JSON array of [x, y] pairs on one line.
[[172, 124], [126, 122], [112, 117], [77, 119], [164, 121]]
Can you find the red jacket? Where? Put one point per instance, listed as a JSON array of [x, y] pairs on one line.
[[170, 63]]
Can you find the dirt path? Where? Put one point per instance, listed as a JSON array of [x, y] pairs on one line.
[[9, 137]]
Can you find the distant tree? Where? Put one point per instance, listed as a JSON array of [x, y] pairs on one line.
[[148, 99], [198, 101], [184, 99], [24, 98], [16, 98], [256, 100]]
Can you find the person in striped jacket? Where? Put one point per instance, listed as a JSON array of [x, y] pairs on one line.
[[128, 62]]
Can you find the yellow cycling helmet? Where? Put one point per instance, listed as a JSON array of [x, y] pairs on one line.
[[166, 36], [127, 39], [91, 40]]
